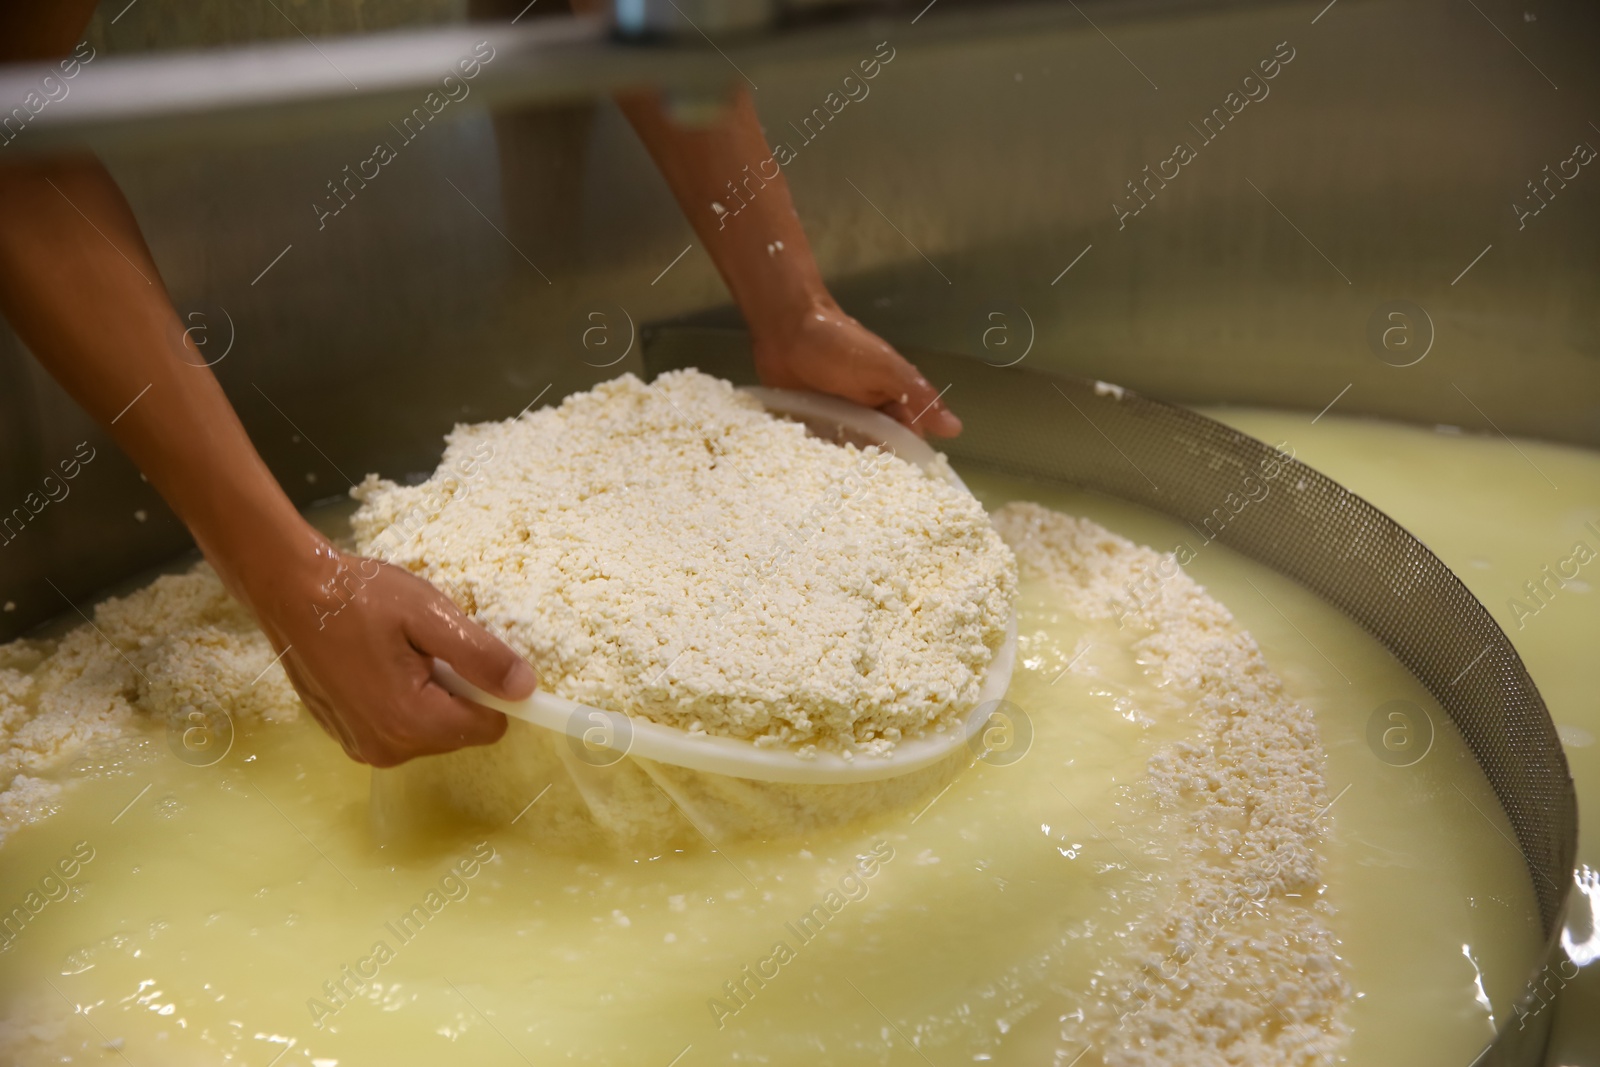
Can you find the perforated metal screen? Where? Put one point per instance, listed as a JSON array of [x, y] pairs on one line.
[[1070, 430]]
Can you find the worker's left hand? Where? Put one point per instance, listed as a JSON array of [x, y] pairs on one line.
[[827, 351]]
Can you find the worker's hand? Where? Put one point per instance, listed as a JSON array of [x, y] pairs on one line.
[[801, 339], [361, 638], [827, 351]]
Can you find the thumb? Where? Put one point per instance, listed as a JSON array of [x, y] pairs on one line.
[[440, 630]]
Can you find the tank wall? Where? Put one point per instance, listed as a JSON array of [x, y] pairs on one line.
[[1380, 164]]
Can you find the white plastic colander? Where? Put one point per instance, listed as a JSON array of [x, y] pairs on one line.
[[637, 784], [836, 420]]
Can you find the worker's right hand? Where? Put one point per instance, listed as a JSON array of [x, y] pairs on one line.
[[359, 638], [822, 349]]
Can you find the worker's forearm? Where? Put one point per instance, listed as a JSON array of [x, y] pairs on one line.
[[735, 197], [80, 288]]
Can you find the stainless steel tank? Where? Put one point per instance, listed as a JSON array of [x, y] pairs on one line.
[[1389, 223]]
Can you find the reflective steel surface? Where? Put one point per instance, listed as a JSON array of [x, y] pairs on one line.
[[978, 200], [1402, 220]]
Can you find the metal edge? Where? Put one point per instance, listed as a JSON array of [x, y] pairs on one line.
[[725, 351]]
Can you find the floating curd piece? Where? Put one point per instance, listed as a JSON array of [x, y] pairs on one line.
[[1243, 909]]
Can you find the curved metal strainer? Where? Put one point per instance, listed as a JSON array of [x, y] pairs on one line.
[[1088, 434]]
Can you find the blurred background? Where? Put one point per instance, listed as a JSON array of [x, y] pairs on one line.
[[970, 203]]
